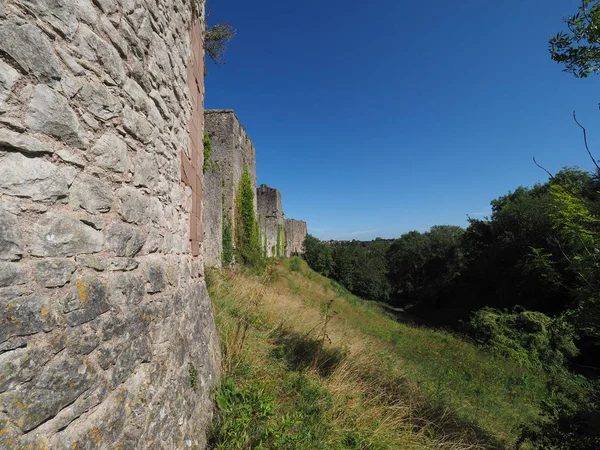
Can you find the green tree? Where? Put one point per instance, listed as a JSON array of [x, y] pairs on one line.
[[318, 255], [579, 48]]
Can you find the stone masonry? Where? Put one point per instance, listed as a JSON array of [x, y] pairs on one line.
[[107, 338], [232, 149], [271, 221], [295, 232]]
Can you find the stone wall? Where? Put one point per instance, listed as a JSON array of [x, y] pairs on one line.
[[232, 149], [295, 232], [107, 338], [271, 221]]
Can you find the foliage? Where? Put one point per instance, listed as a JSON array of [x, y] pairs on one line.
[[530, 337], [208, 161], [295, 264], [421, 265], [318, 256], [568, 423], [193, 372], [227, 253], [579, 49], [358, 266], [216, 39], [247, 234]]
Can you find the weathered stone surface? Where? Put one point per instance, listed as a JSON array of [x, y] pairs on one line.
[[95, 49], [10, 236], [137, 125], [108, 6], [85, 301], [22, 314], [34, 178], [60, 14], [8, 77], [98, 100], [11, 274], [93, 262], [30, 48], [110, 152], [134, 353], [70, 156], [146, 171], [23, 142], [113, 35], [83, 276], [53, 273], [143, 103], [295, 233], [59, 385], [83, 342], [50, 113], [86, 12], [122, 264], [57, 235], [20, 366], [155, 275], [91, 194], [124, 239], [132, 205]]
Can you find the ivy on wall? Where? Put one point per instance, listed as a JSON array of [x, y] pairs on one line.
[[208, 161], [227, 254], [247, 236]]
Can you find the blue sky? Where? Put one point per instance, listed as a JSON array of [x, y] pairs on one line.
[[377, 118]]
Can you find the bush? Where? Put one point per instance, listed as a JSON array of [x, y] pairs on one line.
[[530, 337]]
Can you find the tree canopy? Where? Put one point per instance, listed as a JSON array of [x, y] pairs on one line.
[[579, 48]]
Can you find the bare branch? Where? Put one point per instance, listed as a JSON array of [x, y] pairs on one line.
[[585, 141], [536, 163]]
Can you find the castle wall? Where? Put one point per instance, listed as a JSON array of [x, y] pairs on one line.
[[232, 149], [107, 338], [213, 216], [271, 221], [295, 232]]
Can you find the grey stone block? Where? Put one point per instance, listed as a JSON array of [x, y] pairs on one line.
[[124, 239], [22, 314], [57, 235], [11, 274], [85, 301], [10, 237], [31, 49], [50, 113], [110, 152], [91, 194], [53, 273], [37, 179]]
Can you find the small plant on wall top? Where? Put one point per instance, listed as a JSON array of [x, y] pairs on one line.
[[247, 236]]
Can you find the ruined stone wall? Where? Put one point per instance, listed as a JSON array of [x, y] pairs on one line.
[[107, 338], [213, 216], [271, 222], [232, 149], [295, 232]]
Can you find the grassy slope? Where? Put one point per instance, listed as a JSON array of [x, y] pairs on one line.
[[299, 374]]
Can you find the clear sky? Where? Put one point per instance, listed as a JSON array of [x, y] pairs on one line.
[[378, 117]]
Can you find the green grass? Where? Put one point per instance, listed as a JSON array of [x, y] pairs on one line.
[[299, 374]]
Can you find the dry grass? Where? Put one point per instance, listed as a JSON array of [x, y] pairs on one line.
[[278, 323]]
